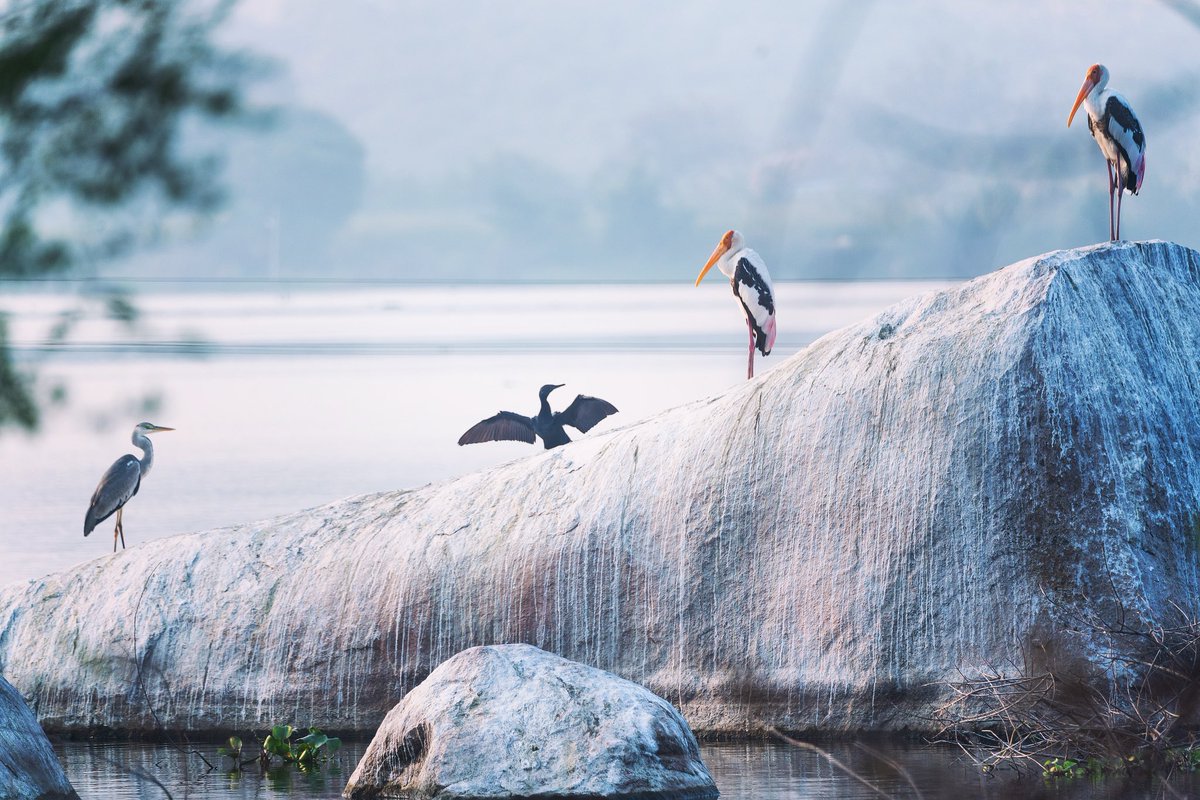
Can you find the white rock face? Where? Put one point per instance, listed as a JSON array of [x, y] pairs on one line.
[[29, 769], [516, 721], [810, 549]]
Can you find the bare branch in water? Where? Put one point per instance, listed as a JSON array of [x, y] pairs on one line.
[[828, 757]]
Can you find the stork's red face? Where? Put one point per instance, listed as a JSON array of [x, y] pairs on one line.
[[1094, 75], [722, 248]]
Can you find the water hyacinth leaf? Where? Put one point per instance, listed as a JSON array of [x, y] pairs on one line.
[[315, 739]]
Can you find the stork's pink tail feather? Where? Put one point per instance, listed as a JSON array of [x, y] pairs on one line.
[[1141, 172]]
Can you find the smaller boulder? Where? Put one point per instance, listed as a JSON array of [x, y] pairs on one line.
[[515, 721], [29, 770]]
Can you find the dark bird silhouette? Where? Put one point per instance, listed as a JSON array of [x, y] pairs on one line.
[[583, 413], [121, 482]]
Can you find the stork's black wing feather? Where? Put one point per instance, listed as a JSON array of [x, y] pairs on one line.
[[1123, 116], [119, 483], [585, 412], [505, 426]]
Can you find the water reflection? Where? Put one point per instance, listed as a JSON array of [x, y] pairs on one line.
[[742, 770], [127, 771]]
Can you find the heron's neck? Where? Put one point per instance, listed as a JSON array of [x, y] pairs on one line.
[[142, 441]]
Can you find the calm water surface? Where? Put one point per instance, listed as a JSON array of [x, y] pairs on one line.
[[742, 771]]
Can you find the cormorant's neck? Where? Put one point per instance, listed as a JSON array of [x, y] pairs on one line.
[[544, 409], [142, 441]]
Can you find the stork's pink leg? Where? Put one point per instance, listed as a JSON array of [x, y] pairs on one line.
[[750, 362], [1120, 192], [1111, 235]]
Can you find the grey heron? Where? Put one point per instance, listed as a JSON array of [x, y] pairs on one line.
[[583, 413], [121, 482]]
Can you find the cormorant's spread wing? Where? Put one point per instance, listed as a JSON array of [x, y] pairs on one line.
[[505, 426], [119, 483], [584, 412]]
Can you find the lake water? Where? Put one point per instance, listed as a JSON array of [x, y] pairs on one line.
[[742, 771]]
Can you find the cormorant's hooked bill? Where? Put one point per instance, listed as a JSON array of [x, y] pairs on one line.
[[584, 413]]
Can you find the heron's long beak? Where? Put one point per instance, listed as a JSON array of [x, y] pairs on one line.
[[722, 248], [159, 429], [1088, 85]]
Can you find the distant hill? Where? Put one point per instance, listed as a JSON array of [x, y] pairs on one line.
[[544, 141]]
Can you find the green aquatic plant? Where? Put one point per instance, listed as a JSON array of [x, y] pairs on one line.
[[306, 752], [234, 750], [1076, 768]]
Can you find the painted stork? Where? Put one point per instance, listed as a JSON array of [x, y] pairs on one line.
[[584, 413], [1117, 131], [751, 283]]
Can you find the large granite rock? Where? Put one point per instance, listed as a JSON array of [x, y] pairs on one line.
[[815, 548], [29, 769], [516, 721]]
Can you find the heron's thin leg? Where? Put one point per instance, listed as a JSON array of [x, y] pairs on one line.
[[750, 362], [120, 529], [1108, 165]]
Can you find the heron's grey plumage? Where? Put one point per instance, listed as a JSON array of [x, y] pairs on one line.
[[121, 481]]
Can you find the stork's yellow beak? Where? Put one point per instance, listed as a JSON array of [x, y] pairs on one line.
[[721, 250], [1088, 85]]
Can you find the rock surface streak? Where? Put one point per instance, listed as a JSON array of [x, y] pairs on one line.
[[814, 549]]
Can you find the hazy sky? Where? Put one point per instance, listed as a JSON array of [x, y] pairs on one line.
[[570, 139]]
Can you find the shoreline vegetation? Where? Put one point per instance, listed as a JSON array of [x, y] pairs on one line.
[[1134, 706]]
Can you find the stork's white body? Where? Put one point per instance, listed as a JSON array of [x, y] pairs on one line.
[[755, 293], [1124, 148]]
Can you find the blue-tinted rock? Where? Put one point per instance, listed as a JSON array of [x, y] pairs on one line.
[[29, 770]]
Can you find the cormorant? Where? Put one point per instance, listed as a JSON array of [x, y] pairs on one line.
[[583, 413]]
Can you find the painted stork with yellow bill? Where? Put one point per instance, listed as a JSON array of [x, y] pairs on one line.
[[752, 287], [1117, 131]]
